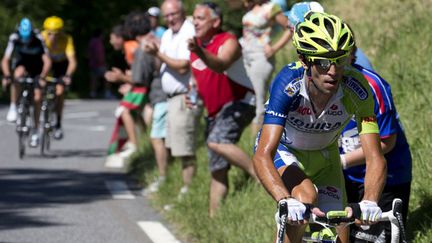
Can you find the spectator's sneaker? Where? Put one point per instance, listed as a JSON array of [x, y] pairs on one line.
[[154, 186], [182, 193], [12, 114], [114, 161], [128, 150], [58, 133], [34, 140]]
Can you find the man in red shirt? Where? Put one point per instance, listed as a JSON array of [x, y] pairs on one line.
[[227, 94]]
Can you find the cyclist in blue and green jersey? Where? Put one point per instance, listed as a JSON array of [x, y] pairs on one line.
[[297, 155], [25, 55], [396, 151]]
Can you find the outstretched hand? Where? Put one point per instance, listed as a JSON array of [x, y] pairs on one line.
[[113, 75], [193, 45], [151, 47]]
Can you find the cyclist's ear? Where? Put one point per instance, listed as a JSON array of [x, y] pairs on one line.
[[303, 61]]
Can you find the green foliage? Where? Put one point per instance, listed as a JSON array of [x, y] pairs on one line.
[[395, 36]]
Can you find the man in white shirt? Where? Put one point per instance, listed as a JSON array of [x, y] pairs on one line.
[[175, 76]]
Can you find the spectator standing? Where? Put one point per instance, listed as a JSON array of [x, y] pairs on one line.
[[227, 93], [157, 30], [175, 76], [258, 49], [96, 56], [135, 97]]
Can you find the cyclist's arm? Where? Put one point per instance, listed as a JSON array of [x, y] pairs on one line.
[[357, 157], [274, 121], [72, 65], [46, 65], [376, 166], [70, 55], [5, 66], [263, 161]]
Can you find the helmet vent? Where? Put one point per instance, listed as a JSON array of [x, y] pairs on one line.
[[306, 45], [307, 30], [329, 27], [322, 43], [342, 40]]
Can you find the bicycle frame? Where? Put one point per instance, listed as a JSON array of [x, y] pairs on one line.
[[25, 102], [48, 104]]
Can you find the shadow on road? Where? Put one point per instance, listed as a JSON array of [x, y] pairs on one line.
[[24, 189], [71, 153]]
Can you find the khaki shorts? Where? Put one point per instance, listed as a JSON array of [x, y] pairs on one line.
[[182, 124]]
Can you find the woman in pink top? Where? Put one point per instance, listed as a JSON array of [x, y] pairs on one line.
[[258, 49]]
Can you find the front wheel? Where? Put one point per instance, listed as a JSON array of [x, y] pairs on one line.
[[21, 144]]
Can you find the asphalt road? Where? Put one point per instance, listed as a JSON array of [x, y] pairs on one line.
[[70, 195]]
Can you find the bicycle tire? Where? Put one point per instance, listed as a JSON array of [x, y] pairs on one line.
[[21, 145], [22, 110]]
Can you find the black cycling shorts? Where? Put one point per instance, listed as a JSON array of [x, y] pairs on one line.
[[33, 66], [59, 68]]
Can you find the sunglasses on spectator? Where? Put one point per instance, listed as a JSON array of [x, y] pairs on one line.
[[324, 63]]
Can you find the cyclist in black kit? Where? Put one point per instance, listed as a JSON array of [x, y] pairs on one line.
[[26, 55]]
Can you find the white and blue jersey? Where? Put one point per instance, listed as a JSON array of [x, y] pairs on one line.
[[399, 159], [289, 106]]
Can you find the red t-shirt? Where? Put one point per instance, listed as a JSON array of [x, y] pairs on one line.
[[215, 89]]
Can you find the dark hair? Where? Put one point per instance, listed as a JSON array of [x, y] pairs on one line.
[[136, 23], [139, 26], [118, 30]]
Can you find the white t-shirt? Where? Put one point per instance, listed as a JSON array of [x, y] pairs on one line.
[[175, 45]]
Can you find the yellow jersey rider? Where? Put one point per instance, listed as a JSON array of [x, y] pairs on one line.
[[62, 53]]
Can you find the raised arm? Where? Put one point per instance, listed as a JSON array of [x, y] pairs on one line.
[[287, 34], [228, 54]]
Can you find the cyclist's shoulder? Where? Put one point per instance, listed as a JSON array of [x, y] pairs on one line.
[[289, 77], [14, 37], [355, 84]]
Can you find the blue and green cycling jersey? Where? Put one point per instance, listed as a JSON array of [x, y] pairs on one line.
[[399, 158], [289, 106]]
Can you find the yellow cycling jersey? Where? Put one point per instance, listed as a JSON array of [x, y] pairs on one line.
[[61, 48]]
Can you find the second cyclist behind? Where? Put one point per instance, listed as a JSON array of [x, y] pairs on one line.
[[62, 54]]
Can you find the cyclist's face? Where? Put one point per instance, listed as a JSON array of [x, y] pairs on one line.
[[52, 35], [173, 15], [327, 75]]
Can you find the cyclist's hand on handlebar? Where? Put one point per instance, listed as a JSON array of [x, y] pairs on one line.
[[42, 81], [295, 211], [67, 80], [5, 82], [370, 212]]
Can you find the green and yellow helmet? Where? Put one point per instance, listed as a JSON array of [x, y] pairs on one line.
[[321, 33]]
